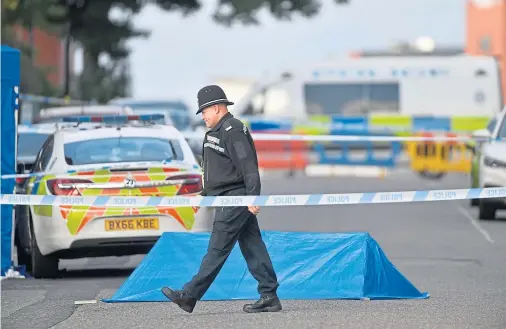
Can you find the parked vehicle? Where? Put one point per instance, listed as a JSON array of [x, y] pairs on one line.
[[491, 165], [134, 158], [440, 86]]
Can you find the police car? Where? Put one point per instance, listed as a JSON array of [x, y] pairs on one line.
[[491, 164], [132, 158]]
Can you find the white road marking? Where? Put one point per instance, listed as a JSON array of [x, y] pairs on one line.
[[83, 302], [475, 224], [318, 170]]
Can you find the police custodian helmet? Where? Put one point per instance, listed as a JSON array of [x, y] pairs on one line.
[[211, 95]]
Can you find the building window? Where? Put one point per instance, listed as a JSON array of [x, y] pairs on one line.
[[485, 44]]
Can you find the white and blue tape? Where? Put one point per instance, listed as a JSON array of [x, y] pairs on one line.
[[28, 129], [343, 138], [53, 100], [261, 200]]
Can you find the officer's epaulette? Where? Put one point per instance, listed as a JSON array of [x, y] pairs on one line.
[[233, 123]]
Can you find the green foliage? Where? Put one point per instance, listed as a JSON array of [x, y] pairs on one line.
[[27, 13], [33, 79], [114, 81]]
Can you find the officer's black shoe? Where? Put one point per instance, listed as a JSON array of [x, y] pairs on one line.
[[264, 304], [180, 298]]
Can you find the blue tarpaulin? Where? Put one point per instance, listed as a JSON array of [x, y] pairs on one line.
[[308, 265], [10, 71]]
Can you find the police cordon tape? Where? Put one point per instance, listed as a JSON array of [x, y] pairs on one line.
[[343, 138], [260, 200], [53, 100]]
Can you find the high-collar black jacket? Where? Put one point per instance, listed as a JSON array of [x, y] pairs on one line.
[[230, 159]]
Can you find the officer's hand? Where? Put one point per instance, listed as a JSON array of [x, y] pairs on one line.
[[254, 209], [197, 208]]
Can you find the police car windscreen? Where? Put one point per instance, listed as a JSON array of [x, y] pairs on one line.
[[29, 144], [122, 149]]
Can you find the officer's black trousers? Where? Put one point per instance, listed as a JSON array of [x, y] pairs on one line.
[[232, 224]]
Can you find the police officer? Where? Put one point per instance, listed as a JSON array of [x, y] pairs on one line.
[[230, 169]]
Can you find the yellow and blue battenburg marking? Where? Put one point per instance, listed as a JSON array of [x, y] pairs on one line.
[[399, 124], [77, 216]]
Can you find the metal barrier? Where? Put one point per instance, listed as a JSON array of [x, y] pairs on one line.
[[291, 155], [373, 156], [433, 159], [315, 157], [282, 155], [377, 154], [429, 154]]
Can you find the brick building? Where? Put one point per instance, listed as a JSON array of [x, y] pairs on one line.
[[486, 32], [49, 52]]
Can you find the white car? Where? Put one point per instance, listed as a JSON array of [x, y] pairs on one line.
[[492, 165], [131, 159]]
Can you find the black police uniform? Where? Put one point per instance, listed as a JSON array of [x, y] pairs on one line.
[[230, 169]]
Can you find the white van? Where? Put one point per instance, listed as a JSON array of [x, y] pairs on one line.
[[440, 86]]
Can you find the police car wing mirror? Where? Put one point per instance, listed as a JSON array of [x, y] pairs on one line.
[[199, 159], [20, 168], [481, 134]]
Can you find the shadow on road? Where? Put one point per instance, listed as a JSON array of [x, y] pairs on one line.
[[95, 273], [83, 274]]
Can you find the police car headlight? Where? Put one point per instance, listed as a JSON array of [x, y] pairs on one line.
[[491, 162]]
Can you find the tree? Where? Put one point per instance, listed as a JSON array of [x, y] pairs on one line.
[[88, 23], [26, 14]]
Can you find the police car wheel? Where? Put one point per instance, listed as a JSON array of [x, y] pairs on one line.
[[486, 210], [42, 266], [23, 258], [22, 255], [473, 202]]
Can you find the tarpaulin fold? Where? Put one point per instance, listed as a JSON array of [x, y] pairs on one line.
[[309, 266]]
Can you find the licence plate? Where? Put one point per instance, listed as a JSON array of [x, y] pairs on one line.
[[132, 224]]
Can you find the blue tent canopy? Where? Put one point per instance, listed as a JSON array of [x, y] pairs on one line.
[[309, 265], [10, 71]]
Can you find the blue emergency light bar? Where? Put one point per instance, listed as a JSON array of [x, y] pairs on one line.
[[114, 118]]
